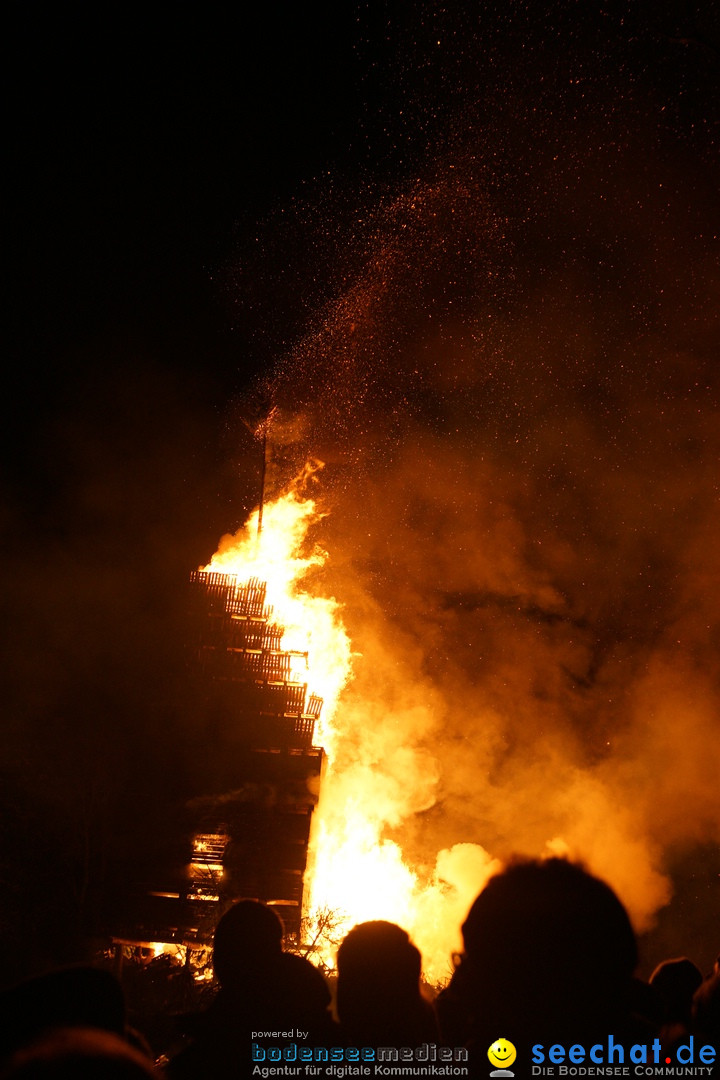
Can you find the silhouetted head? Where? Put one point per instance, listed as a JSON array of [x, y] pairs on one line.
[[302, 983], [247, 939], [77, 996], [378, 985], [706, 1005], [300, 995], [376, 953], [79, 1054], [676, 981], [548, 940]]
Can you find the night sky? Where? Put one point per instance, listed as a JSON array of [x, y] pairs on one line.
[[471, 253]]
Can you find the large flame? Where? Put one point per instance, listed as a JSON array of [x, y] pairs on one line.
[[355, 872], [280, 556]]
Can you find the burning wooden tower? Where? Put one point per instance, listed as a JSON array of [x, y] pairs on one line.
[[253, 831], [258, 773]]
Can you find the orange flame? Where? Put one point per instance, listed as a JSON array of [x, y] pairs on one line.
[[280, 557], [354, 871]]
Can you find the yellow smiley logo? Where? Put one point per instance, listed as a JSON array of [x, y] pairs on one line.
[[502, 1053]]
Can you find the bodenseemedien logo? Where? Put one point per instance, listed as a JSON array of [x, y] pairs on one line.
[[502, 1054]]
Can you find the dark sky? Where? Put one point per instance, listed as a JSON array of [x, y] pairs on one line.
[[200, 195], [142, 148], [139, 145], [145, 150]]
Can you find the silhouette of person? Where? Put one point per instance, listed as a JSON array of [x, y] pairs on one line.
[[706, 1011], [549, 953], [261, 989], [76, 996], [248, 938], [379, 1002], [79, 1054], [676, 981]]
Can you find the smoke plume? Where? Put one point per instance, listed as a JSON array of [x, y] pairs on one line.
[[519, 419]]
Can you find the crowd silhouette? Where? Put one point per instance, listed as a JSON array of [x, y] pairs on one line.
[[549, 958]]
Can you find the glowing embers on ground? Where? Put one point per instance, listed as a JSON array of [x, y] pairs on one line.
[[191, 956]]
